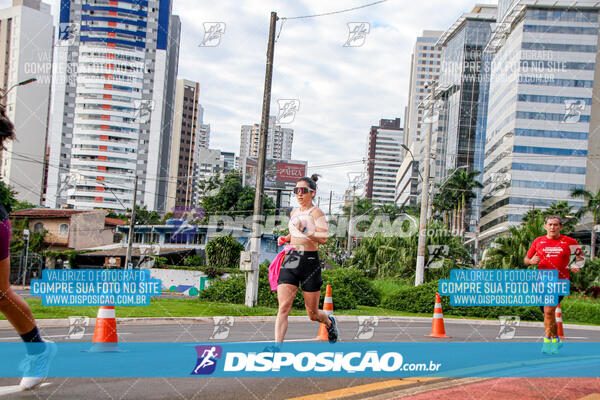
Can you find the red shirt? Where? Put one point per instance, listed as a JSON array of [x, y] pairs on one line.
[[554, 253]]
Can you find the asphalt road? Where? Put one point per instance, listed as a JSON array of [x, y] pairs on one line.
[[259, 388]]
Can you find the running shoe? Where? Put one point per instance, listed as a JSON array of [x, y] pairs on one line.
[[35, 367], [547, 346], [332, 330], [271, 349], [556, 345]]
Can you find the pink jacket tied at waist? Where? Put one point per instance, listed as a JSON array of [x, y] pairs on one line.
[[276, 266]]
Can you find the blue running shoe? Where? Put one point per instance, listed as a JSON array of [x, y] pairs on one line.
[[35, 367]]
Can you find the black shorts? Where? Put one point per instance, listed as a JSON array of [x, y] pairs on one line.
[[559, 300], [302, 268]]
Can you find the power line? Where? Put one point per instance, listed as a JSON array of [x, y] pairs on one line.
[[334, 12]]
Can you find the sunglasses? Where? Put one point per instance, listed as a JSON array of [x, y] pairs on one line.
[[302, 190]]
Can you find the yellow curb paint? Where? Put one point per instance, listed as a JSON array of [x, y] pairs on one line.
[[371, 387], [593, 396]]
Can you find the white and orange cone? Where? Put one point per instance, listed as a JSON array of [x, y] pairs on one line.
[[437, 326], [328, 308], [559, 322], [105, 333]]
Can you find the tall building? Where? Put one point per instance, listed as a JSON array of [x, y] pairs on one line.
[[26, 32], [424, 67], [112, 119], [384, 158], [454, 131], [188, 132], [542, 137], [279, 142]]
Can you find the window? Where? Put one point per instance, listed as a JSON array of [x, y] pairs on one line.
[[63, 230], [38, 227]]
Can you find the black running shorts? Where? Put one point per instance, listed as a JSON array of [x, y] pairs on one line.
[[302, 269]]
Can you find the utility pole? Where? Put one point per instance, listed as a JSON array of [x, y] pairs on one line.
[[420, 270], [330, 195], [26, 236], [131, 224], [252, 281], [349, 244]]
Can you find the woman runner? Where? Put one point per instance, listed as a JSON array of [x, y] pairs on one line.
[[39, 352], [301, 266]]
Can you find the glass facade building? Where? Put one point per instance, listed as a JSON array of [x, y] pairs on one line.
[[539, 116]]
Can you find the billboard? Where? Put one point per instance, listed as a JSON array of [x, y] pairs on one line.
[[279, 174]]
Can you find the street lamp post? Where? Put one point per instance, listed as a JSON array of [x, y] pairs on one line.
[[22, 83]]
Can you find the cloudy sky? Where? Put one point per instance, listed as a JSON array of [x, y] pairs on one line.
[[342, 90]]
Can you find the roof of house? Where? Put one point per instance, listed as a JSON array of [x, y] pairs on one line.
[[114, 221], [59, 213], [45, 213]]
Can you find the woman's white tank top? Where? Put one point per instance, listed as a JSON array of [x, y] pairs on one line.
[[307, 223]]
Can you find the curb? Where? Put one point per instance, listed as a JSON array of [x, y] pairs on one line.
[[64, 322]]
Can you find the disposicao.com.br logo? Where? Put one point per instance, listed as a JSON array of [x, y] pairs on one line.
[[328, 361], [305, 361]]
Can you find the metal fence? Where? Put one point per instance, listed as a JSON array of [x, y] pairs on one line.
[[24, 268]]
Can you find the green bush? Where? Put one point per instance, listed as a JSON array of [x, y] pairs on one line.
[[231, 290], [224, 252], [421, 299], [195, 260], [350, 288], [580, 310], [587, 277]]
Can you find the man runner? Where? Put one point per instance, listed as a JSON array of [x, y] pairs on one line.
[[553, 251]]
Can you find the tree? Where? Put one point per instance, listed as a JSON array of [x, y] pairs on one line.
[[396, 256], [463, 182], [7, 196], [223, 252], [592, 205], [207, 186], [145, 217], [234, 199]]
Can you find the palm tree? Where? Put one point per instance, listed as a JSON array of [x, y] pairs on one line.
[[592, 206], [464, 182]]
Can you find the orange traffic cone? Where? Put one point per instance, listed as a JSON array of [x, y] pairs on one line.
[[328, 308], [559, 322], [105, 332], [437, 325]]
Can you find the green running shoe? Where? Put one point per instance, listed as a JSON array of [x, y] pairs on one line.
[[547, 346]]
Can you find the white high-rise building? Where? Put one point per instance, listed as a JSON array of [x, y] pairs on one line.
[[542, 137], [424, 67], [112, 118], [279, 142], [385, 157], [26, 32]]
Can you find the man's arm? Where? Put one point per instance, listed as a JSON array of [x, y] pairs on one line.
[[531, 258]]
